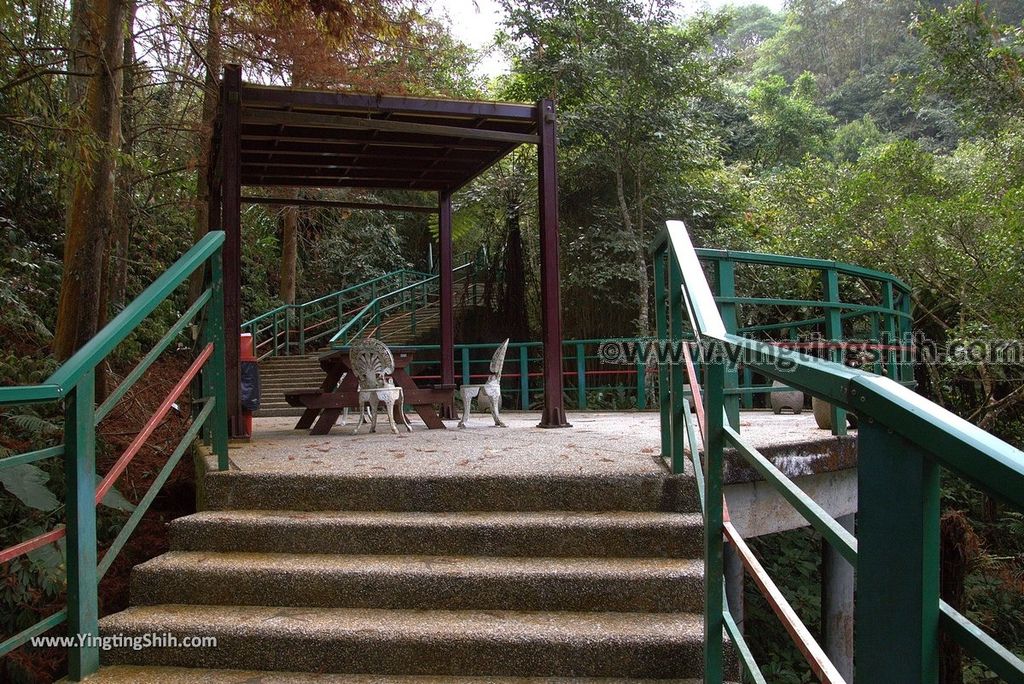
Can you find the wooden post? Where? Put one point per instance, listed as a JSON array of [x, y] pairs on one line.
[[231, 206], [551, 301], [446, 296]]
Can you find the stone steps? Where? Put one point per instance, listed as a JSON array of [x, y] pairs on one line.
[[547, 534], [642, 585], [417, 642], [419, 575], [435, 493], [129, 674]]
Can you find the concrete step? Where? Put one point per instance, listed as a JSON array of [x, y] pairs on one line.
[[278, 412], [540, 534], [136, 674], [291, 360], [286, 371], [638, 585], [232, 489], [414, 642]]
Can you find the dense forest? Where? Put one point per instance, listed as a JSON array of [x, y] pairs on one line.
[[886, 134]]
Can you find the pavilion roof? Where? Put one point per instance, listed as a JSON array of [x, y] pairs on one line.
[[306, 138]]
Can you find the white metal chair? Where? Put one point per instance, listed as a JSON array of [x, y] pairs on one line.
[[373, 364], [489, 393]]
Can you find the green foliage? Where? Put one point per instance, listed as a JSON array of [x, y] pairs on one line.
[[792, 559], [631, 85], [853, 139], [617, 398], [28, 483], [978, 63], [788, 124]]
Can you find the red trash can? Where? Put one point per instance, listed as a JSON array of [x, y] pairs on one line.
[[246, 354]]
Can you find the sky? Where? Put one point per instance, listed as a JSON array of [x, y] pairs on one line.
[[475, 22]]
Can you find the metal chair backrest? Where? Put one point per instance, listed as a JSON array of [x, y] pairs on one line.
[[498, 360], [372, 362]]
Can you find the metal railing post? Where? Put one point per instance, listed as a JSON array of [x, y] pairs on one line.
[[905, 326], [713, 547], [80, 483], [661, 322], [288, 331], [897, 608], [524, 377], [677, 372], [748, 381], [274, 343], [465, 366], [725, 274], [834, 333], [641, 379], [302, 330], [581, 377]]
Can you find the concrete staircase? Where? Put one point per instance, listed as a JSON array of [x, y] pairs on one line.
[[413, 578], [281, 373]]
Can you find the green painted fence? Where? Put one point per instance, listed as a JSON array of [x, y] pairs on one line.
[[298, 328], [303, 328], [73, 385], [904, 442]]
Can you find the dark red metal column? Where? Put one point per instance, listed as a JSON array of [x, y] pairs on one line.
[[551, 299], [446, 294], [231, 221]]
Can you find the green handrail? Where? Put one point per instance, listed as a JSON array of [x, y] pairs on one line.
[[316, 318], [903, 440], [325, 313], [358, 323], [74, 384]]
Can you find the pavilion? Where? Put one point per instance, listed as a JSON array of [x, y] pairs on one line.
[[268, 136]]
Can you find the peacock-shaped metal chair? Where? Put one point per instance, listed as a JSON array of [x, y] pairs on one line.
[[373, 364], [489, 393]]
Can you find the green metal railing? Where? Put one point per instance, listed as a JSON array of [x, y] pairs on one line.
[[300, 328], [74, 384], [904, 441], [403, 301], [590, 383], [296, 328]]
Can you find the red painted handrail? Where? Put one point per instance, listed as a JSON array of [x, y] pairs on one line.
[[32, 544], [153, 422]]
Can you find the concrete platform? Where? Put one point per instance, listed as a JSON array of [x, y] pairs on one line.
[[599, 443]]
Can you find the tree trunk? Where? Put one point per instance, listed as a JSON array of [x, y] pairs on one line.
[[91, 206], [639, 253], [117, 282], [211, 94], [289, 251], [513, 303]]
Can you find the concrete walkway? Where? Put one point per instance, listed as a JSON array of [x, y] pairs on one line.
[[599, 443]]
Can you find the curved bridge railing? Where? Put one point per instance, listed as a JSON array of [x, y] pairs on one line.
[[904, 442]]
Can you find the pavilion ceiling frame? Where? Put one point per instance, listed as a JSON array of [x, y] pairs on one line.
[[275, 137]]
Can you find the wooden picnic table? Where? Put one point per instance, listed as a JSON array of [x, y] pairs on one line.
[[340, 390]]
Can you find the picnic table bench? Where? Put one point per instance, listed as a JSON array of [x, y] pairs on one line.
[[339, 391]]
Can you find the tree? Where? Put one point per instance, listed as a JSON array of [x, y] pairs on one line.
[[626, 79], [91, 205], [977, 62], [788, 124]]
